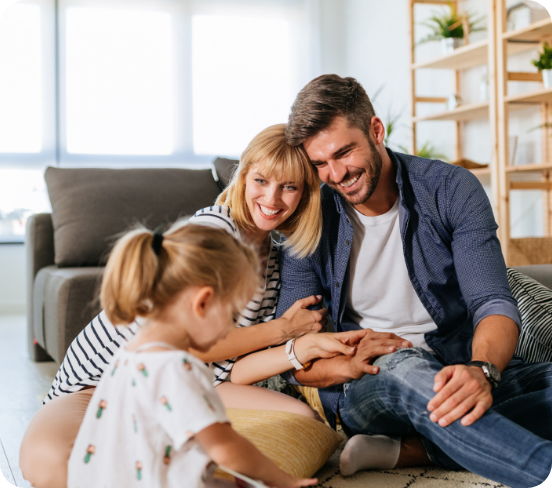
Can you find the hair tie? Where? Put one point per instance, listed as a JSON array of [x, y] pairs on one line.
[[156, 243]]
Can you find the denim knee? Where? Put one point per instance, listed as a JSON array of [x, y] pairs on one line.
[[402, 359]]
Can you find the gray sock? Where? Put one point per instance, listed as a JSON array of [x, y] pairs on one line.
[[369, 452]]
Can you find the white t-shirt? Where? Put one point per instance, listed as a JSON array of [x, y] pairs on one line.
[[381, 296], [138, 430]]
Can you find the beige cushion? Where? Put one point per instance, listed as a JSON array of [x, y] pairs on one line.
[[299, 445], [313, 399]]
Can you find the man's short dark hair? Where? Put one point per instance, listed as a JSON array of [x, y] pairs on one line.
[[323, 99]]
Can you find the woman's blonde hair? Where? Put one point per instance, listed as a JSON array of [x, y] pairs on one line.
[[278, 159], [139, 281]]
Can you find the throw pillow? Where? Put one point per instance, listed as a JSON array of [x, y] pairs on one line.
[[91, 206], [535, 306], [299, 445]]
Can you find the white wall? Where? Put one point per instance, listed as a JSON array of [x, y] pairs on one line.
[[12, 278], [376, 54]]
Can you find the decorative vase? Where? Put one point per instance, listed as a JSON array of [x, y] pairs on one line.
[[449, 44], [547, 78]]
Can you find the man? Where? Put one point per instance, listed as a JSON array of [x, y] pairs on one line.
[[409, 250]]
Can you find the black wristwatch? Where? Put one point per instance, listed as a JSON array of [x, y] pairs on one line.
[[489, 370]]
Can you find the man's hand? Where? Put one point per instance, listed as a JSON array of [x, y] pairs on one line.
[[342, 369], [463, 392], [372, 346]]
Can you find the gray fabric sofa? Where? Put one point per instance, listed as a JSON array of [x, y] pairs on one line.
[[67, 249]]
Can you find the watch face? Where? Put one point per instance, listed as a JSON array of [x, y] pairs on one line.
[[493, 372]]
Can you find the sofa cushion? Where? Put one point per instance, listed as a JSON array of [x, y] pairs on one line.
[[64, 301], [540, 272], [91, 206], [535, 306], [225, 169]]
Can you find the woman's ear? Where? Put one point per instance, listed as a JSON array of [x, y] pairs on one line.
[[202, 299]]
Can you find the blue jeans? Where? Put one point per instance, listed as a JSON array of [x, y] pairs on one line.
[[510, 444]]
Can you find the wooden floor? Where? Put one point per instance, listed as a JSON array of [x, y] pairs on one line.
[[24, 384]]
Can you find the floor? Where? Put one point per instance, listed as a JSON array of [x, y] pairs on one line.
[[25, 383]]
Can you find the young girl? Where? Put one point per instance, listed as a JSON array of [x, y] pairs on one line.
[[274, 187], [155, 419]]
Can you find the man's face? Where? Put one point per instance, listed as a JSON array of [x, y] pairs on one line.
[[346, 160]]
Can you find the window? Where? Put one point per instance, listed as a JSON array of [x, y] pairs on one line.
[[26, 121], [141, 83]]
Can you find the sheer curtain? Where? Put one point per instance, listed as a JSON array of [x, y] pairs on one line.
[[176, 82]]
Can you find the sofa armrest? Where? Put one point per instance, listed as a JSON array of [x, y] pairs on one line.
[[40, 253]]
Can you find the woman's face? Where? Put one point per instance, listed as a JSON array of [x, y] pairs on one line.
[[269, 200]]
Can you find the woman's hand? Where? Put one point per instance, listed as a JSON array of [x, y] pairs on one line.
[[327, 345], [299, 320]]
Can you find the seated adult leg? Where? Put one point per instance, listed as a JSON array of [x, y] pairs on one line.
[[49, 438], [394, 402], [256, 398]]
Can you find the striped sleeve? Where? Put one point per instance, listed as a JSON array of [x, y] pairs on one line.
[[216, 216], [89, 355]]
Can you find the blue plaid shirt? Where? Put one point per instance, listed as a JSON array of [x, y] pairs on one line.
[[452, 255]]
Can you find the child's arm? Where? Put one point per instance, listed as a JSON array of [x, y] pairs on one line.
[[261, 365], [227, 448]]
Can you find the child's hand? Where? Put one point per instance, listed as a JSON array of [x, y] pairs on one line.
[[327, 345]]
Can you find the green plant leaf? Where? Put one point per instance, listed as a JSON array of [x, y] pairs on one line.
[[440, 24]]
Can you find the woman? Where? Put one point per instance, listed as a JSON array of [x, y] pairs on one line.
[[274, 188]]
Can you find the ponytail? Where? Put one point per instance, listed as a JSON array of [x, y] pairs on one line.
[[130, 276], [140, 280]]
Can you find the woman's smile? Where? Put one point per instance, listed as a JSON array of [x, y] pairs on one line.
[[269, 213]]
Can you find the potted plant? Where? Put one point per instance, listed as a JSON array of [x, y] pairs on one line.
[[451, 28], [544, 64]]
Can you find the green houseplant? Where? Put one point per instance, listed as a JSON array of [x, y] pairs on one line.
[[544, 64], [451, 28]]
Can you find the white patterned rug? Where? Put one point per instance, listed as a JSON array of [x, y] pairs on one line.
[[423, 477]]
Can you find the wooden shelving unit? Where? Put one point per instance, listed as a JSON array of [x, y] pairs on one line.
[[494, 52], [463, 58], [508, 43]]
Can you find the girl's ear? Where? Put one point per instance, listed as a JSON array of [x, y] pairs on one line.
[[202, 299]]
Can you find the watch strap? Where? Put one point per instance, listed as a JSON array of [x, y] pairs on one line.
[[486, 371], [290, 351]]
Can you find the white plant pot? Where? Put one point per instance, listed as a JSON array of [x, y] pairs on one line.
[[547, 78], [449, 44]]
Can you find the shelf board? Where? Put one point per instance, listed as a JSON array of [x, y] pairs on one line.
[[481, 171], [464, 57], [471, 56], [464, 112], [528, 98], [528, 168], [533, 33]]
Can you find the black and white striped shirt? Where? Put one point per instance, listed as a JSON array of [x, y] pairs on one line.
[[91, 351]]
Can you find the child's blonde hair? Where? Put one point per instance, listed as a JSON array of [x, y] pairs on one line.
[[139, 281], [284, 162]]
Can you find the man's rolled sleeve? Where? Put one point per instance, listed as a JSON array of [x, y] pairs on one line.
[[497, 307], [290, 378]]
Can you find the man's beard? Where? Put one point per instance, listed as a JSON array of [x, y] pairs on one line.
[[363, 193]]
